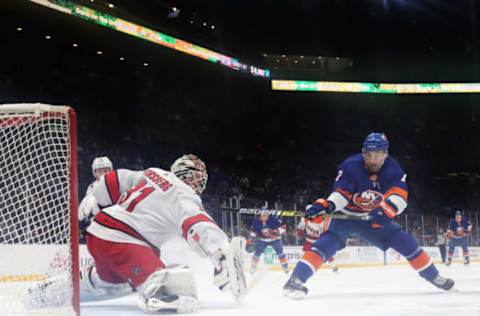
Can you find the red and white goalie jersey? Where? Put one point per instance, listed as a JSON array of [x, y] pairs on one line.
[[151, 207]]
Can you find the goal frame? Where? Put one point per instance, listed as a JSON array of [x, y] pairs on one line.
[[72, 179]]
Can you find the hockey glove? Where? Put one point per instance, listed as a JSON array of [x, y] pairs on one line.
[[383, 214], [269, 233], [320, 207]]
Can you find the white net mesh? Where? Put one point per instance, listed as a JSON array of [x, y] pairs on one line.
[[35, 251]]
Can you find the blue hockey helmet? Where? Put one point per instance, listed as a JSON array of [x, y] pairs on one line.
[[375, 142], [458, 212]]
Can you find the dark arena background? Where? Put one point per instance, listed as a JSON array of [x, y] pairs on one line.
[[272, 96]]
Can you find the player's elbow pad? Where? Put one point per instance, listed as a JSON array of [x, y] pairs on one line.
[[337, 201], [398, 203]]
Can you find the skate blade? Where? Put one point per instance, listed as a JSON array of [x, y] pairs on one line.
[[294, 295]]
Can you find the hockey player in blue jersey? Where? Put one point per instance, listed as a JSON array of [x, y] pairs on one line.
[[369, 184], [267, 230], [457, 232]]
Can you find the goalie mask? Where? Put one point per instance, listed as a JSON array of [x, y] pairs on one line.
[[101, 163], [191, 170]]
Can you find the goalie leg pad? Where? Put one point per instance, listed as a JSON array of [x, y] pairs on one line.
[[169, 290], [229, 275]]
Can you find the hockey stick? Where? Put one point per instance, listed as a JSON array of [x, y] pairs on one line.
[[341, 215], [259, 274]]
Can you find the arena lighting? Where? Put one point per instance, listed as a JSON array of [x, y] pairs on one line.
[[145, 64], [48, 37], [151, 35], [75, 45], [122, 58], [19, 29], [99, 52], [111, 6], [174, 13], [382, 88]]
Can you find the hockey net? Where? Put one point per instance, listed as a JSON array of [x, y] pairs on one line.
[[38, 225]]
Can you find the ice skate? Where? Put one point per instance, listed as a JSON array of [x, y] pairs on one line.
[[443, 283], [294, 288]]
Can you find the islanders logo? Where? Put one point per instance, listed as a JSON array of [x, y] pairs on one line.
[[367, 200]]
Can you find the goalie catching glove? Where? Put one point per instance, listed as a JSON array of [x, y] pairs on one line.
[[88, 208]]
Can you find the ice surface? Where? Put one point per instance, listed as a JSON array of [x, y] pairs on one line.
[[393, 290]]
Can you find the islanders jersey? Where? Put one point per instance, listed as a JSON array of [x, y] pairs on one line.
[[459, 229], [356, 191], [269, 230]]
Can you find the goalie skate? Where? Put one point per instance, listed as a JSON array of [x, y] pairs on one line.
[[162, 301]]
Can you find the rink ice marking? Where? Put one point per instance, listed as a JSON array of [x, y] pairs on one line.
[[22, 278]]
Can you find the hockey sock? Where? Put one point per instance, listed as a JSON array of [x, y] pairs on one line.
[[406, 245], [283, 261], [308, 265], [450, 254], [421, 262]]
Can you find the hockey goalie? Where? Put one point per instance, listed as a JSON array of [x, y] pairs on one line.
[[141, 211]]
